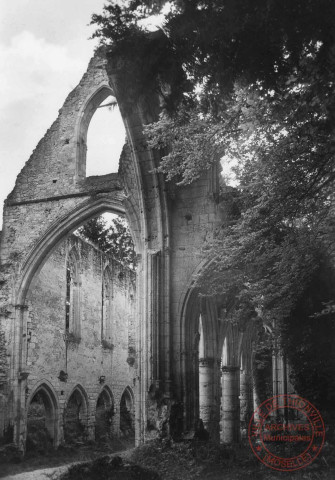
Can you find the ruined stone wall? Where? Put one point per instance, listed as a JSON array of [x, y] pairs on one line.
[[51, 198], [3, 386], [86, 361], [51, 182]]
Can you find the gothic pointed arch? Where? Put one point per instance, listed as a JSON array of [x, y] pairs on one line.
[[43, 414], [76, 413], [84, 118], [55, 234], [104, 414], [127, 413]]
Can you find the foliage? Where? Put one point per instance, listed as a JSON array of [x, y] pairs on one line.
[[259, 90], [217, 43], [282, 142], [255, 88], [262, 372], [308, 344], [114, 239]]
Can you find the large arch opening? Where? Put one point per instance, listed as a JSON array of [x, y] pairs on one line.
[[64, 227], [81, 303], [42, 424]]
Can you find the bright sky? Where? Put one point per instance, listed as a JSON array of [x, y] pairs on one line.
[[44, 51]]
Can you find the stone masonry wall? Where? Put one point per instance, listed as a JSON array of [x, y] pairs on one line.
[[84, 362]]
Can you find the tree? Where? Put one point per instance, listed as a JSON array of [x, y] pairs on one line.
[[219, 42], [251, 82], [308, 344], [113, 238], [96, 231]]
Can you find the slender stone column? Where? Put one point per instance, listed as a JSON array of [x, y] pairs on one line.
[[256, 401], [278, 380], [208, 404], [230, 404], [279, 386], [246, 402]]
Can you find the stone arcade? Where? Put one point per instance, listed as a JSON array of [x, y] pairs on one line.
[[176, 357]]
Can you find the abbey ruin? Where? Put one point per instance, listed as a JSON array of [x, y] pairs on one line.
[[97, 345]]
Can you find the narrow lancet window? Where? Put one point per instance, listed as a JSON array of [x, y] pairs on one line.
[[106, 328], [68, 299], [72, 297]]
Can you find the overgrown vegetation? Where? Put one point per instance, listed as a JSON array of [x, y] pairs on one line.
[[189, 461], [112, 237], [251, 83], [308, 344]]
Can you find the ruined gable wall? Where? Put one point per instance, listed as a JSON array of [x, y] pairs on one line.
[[51, 173], [47, 189], [47, 193], [51, 169], [87, 360]]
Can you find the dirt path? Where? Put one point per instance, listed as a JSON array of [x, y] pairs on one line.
[[55, 472], [44, 474]]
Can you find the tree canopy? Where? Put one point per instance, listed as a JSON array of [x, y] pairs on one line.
[[112, 237], [250, 83], [253, 82]]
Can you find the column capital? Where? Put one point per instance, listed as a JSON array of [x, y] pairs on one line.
[[206, 362], [230, 368]]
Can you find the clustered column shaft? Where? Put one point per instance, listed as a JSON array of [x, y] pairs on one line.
[[230, 432], [208, 396]]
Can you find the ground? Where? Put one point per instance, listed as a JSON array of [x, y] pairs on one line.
[[64, 455], [166, 461]]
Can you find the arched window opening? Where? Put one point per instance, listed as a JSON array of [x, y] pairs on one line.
[[107, 297], [104, 417], [41, 423], [127, 415], [105, 139], [75, 418], [72, 298], [68, 298]]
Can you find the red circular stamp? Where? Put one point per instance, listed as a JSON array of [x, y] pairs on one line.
[[286, 433]]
